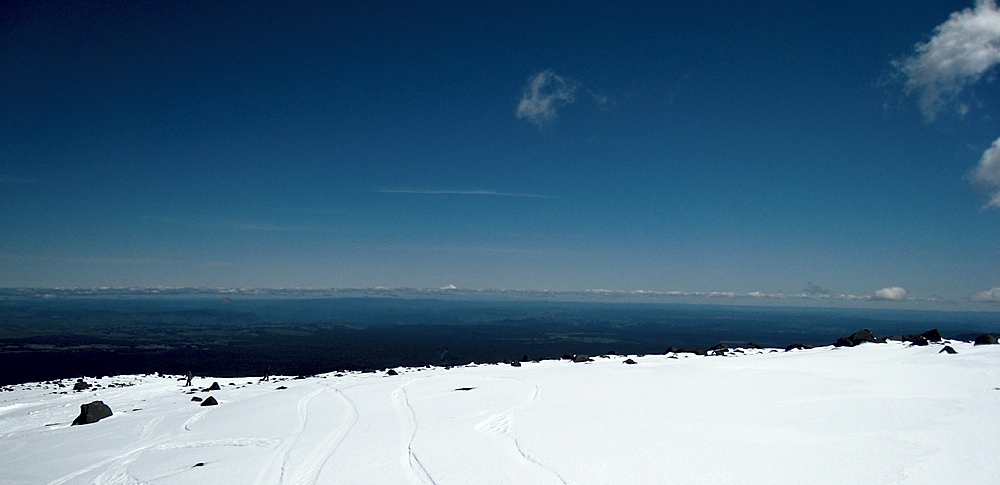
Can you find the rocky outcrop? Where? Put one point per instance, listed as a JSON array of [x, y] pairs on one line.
[[799, 346], [986, 339], [932, 335], [92, 413]]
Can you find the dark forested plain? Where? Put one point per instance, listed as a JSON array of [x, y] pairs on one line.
[[42, 339]]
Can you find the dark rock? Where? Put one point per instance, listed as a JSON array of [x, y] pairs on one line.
[[199, 464], [214, 387], [368, 371], [280, 388], [799, 346], [392, 372], [515, 364], [844, 342], [582, 358], [932, 335], [465, 388], [568, 356], [525, 358], [629, 361], [197, 399], [92, 413], [917, 340], [948, 350], [611, 352], [751, 345], [897, 338], [671, 350], [80, 385], [210, 402], [986, 339], [862, 336], [719, 346], [693, 350]]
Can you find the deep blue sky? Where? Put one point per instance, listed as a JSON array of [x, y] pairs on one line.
[[755, 146]]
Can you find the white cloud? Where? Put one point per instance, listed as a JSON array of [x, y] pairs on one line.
[[992, 294], [545, 92], [603, 102], [895, 293], [986, 176], [961, 50]]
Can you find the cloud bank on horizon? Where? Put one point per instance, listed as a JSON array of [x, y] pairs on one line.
[[961, 52], [894, 293]]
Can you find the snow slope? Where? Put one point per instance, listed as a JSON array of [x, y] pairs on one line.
[[873, 414]]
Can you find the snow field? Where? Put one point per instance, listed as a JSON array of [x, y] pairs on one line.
[[872, 414]]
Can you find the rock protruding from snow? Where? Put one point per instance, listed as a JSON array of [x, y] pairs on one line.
[[629, 361], [799, 346], [80, 385], [858, 338], [932, 335], [986, 339], [948, 350], [581, 358], [214, 387], [210, 401], [92, 413]]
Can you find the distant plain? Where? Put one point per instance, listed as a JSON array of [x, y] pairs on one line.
[[44, 339]]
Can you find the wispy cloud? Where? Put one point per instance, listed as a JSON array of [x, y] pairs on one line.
[[991, 295], [893, 293], [603, 102], [545, 92], [986, 176], [960, 52], [462, 192]]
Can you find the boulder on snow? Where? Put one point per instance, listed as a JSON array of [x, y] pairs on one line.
[[917, 340], [932, 335], [92, 413], [392, 372], [751, 345], [671, 350], [582, 358], [692, 350], [629, 361], [948, 350], [862, 336], [214, 387], [80, 385], [515, 364], [210, 401], [986, 339], [799, 346], [844, 342], [196, 399], [719, 347]]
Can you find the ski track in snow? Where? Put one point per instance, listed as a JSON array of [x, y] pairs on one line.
[[411, 463], [501, 424], [308, 467], [335, 439], [280, 459]]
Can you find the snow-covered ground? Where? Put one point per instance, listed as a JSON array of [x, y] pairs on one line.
[[873, 414]]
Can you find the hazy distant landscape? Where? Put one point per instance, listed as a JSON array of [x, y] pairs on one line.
[[43, 339]]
